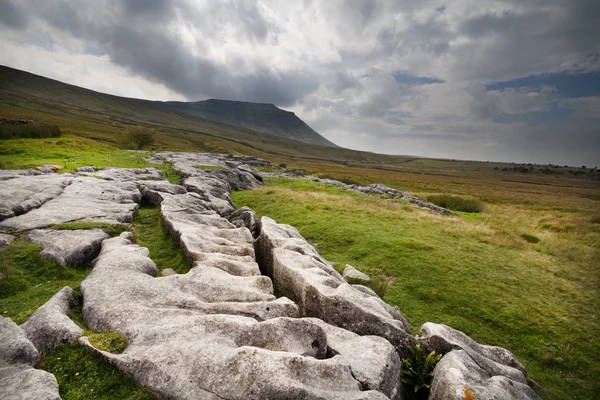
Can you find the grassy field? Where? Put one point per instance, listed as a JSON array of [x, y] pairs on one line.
[[475, 273]]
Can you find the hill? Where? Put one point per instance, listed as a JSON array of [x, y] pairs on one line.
[[265, 118]]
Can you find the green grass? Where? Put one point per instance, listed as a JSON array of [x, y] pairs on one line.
[[112, 230], [456, 203], [81, 375], [164, 249], [68, 152], [209, 167], [108, 341], [480, 278], [32, 280]]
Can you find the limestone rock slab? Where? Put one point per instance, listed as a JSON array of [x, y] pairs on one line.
[[50, 327], [5, 241], [84, 200], [181, 348], [18, 379], [299, 273], [351, 272], [69, 247], [457, 375], [20, 194]]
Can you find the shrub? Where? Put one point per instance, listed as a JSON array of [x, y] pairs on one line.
[[418, 367], [456, 203], [140, 137], [29, 131], [530, 238]]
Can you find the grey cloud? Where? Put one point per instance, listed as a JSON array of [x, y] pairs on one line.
[[11, 15]]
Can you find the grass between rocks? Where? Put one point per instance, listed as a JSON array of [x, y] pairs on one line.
[[112, 230], [164, 249], [81, 375], [209, 167], [31, 280], [476, 274]]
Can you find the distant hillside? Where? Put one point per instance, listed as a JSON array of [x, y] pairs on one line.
[[265, 118]]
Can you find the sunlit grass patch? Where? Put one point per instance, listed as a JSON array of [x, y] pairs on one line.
[[209, 167], [108, 341]]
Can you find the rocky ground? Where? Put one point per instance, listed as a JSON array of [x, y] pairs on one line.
[[260, 315]]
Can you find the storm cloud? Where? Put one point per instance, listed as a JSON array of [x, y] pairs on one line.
[[400, 77]]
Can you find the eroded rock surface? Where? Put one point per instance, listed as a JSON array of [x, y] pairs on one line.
[[21, 193], [458, 376], [5, 241], [50, 327], [299, 273], [353, 273], [19, 380], [210, 334], [83, 200], [69, 247]]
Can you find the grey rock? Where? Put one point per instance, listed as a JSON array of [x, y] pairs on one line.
[[168, 272], [69, 247], [88, 168], [20, 194], [444, 339], [49, 168], [5, 241], [351, 272], [299, 273], [373, 360], [457, 375], [152, 191], [18, 379], [365, 290], [50, 327], [209, 334], [124, 174], [245, 217], [84, 200]]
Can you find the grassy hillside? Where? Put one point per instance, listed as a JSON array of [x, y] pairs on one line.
[[264, 118]]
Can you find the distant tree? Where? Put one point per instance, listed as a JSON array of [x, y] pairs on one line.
[[140, 136]]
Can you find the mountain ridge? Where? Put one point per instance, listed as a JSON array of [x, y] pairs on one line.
[[261, 117]]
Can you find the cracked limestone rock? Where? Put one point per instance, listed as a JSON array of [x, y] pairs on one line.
[[19, 380], [50, 327], [69, 247]]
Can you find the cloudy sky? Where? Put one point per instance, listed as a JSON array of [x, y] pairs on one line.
[[509, 80]]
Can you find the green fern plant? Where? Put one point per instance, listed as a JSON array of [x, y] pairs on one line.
[[419, 366]]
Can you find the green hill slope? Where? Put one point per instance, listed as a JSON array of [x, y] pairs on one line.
[[106, 118]]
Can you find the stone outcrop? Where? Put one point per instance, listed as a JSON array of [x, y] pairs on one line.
[[22, 193], [83, 200], [219, 335], [458, 376], [353, 273], [19, 380], [301, 274], [486, 371], [68, 247], [50, 327]]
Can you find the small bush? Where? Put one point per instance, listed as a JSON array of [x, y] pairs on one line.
[[418, 367], [530, 238], [29, 131], [456, 203], [140, 137]]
